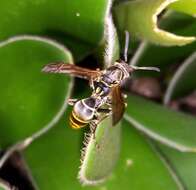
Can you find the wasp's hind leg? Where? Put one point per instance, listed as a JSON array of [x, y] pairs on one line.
[[71, 102], [93, 127], [105, 111], [109, 102]]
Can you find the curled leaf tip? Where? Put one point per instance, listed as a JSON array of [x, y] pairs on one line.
[[140, 19]]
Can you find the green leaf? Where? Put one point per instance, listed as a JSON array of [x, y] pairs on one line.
[[67, 21], [171, 128], [111, 44], [183, 164], [186, 6], [183, 81], [148, 54], [137, 160], [54, 158], [31, 100], [61, 145], [101, 153], [128, 17]]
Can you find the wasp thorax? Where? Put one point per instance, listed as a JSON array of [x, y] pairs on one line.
[[115, 74], [112, 76], [101, 88]]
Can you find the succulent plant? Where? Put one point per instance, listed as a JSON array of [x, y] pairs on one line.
[[154, 145]]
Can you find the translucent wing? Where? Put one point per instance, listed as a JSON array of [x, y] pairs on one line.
[[118, 105], [60, 67]]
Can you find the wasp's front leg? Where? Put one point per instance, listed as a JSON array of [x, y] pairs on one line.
[[91, 84], [109, 102], [71, 102]]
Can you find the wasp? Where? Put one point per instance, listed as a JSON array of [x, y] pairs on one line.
[[106, 97]]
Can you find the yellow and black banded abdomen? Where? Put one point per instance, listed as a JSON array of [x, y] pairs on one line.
[[76, 122]]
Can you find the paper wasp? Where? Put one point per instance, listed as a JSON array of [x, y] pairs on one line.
[[106, 97]]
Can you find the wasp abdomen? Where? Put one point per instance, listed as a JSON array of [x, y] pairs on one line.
[[76, 122], [83, 113]]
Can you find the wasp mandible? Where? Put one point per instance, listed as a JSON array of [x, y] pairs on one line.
[[106, 97]]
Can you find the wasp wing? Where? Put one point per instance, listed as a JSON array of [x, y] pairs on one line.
[[60, 67], [118, 105]]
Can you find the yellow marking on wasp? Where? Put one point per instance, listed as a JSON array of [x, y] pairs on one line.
[[75, 127], [73, 124]]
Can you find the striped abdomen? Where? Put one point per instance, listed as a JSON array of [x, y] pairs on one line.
[[83, 112], [76, 122]]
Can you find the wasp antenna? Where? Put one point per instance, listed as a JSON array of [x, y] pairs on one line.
[[145, 68], [126, 45]]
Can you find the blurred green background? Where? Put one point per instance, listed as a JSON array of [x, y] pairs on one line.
[[154, 145]]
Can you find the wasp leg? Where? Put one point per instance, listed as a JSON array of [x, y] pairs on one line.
[[91, 83], [93, 127], [71, 102], [106, 111], [109, 102]]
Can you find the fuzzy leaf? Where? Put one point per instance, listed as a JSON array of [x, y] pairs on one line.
[[111, 44], [140, 19], [174, 129], [32, 100], [101, 153]]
